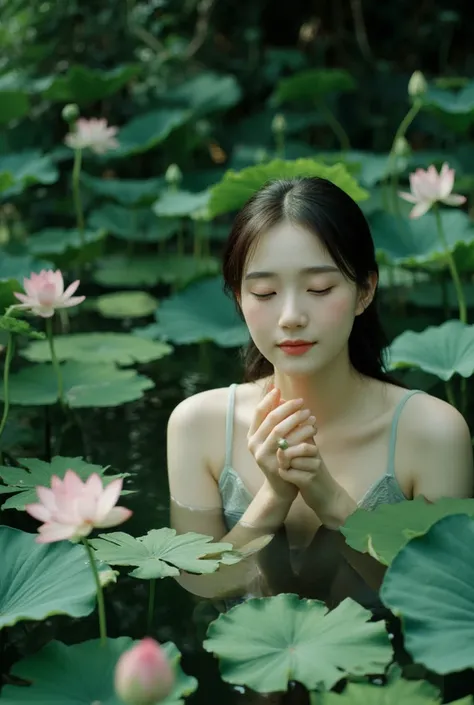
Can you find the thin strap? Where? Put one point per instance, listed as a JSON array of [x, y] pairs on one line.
[[393, 433], [229, 425]]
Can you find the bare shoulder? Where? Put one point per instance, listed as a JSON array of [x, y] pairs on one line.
[[428, 419], [200, 409]]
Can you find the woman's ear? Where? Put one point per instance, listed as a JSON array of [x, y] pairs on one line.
[[366, 294]]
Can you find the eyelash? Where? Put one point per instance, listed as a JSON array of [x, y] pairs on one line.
[[321, 292]]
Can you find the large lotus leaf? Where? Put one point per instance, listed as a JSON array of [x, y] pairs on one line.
[[83, 674], [454, 108], [85, 385], [84, 86], [126, 304], [430, 295], [38, 581], [174, 204], [138, 224], [21, 482], [396, 691], [14, 99], [179, 270], [201, 312], [121, 348], [267, 642], [148, 130], [313, 84], [385, 530], [374, 167], [416, 242], [430, 585], [27, 168], [6, 181], [235, 188], [53, 241], [161, 553], [128, 192], [17, 267], [206, 92], [442, 350]]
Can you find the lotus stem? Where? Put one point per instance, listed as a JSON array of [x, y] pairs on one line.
[[151, 605], [76, 194], [401, 132], [99, 591], [54, 359], [450, 392], [452, 267], [6, 375], [337, 128]]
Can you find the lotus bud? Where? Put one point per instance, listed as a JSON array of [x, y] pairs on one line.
[[173, 175], [401, 148], [70, 113], [278, 123], [261, 155], [143, 674], [417, 85]]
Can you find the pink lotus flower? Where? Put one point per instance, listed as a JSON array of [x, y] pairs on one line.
[[45, 293], [92, 134], [143, 674], [72, 508], [428, 187]]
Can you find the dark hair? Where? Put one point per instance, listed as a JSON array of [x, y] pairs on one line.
[[326, 210]]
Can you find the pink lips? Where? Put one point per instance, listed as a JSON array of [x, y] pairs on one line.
[[296, 348]]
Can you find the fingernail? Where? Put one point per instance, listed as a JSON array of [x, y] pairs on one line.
[[312, 419]]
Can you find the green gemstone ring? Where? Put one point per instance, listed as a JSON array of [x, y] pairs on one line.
[[283, 444]]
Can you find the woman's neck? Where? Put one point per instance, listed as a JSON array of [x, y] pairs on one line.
[[331, 394]]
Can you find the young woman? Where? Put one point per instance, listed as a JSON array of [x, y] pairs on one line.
[[318, 428]]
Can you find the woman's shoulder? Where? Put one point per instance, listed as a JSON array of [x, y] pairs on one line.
[[201, 408], [428, 419]]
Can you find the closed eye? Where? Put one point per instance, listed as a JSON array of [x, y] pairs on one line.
[[321, 291], [318, 292]]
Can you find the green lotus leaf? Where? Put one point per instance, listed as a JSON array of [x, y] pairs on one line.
[[138, 224], [373, 167], [175, 204], [27, 168], [443, 350], [53, 241], [128, 192], [126, 304], [85, 385], [84, 86], [14, 98], [161, 553], [21, 482], [6, 181], [206, 93], [313, 84], [19, 327], [454, 108], [396, 691], [41, 580], [121, 348], [414, 242], [385, 530], [147, 130], [235, 188], [201, 312], [430, 584], [431, 295], [83, 674], [267, 642], [179, 270], [17, 267]]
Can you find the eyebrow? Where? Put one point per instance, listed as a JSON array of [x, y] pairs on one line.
[[306, 270]]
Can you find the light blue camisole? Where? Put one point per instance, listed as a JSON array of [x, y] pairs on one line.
[[236, 498]]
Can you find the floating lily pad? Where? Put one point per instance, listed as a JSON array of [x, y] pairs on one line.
[[430, 584], [148, 130], [128, 192], [121, 348], [126, 304], [21, 482], [25, 169], [161, 553], [38, 581], [58, 240], [174, 204], [84, 85], [85, 385], [265, 643], [179, 270], [443, 350], [138, 224], [385, 530], [313, 84], [235, 188], [201, 312], [83, 674]]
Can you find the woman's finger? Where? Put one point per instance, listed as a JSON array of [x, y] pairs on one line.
[[269, 402], [302, 450], [279, 414]]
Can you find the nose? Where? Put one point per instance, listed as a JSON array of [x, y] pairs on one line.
[[292, 315]]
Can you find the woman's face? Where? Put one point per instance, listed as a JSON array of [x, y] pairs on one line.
[[292, 290]]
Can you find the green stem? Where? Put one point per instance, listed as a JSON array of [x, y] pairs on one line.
[[100, 593], [76, 194], [280, 144], [151, 605], [54, 359], [401, 132], [452, 267], [6, 376], [450, 393], [337, 128]]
